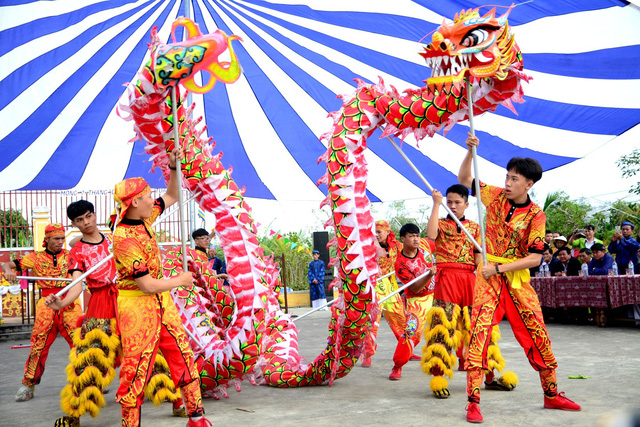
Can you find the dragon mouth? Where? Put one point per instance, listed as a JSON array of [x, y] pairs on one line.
[[452, 68]]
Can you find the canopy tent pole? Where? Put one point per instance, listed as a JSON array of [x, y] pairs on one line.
[[444, 205], [474, 153]]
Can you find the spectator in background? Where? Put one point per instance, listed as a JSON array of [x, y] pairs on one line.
[[567, 264], [552, 245], [201, 239], [220, 266], [625, 246], [584, 238], [548, 238], [547, 258], [316, 281], [559, 243], [601, 262], [585, 255]]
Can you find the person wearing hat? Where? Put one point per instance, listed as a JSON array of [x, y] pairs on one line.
[[625, 246], [147, 316], [53, 261], [316, 281], [97, 335], [393, 306], [558, 243], [601, 262]]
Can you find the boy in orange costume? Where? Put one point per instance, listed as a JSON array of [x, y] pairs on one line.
[[515, 240], [147, 316], [97, 348], [412, 261], [52, 262], [387, 241], [448, 320]]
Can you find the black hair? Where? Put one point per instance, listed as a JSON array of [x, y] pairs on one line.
[[459, 189], [597, 247], [409, 229], [528, 167], [548, 232], [78, 208], [545, 248], [564, 249], [589, 227], [199, 232], [586, 251]]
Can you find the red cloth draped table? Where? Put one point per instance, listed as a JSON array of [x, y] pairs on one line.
[[624, 290], [545, 287], [588, 291], [572, 291]]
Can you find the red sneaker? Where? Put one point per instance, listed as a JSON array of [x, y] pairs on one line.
[[473, 413], [415, 357], [202, 422], [396, 373], [366, 362], [561, 402]]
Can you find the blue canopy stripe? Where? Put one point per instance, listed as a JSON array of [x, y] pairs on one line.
[[63, 65]]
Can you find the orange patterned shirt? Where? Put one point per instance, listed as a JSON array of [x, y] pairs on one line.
[[135, 249], [46, 264], [452, 244], [387, 262], [513, 230]]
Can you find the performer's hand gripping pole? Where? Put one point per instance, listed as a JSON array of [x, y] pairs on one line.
[[444, 205], [176, 144], [474, 153]]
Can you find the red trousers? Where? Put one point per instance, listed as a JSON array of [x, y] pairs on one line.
[[149, 322], [407, 325], [523, 312], [49, 323]]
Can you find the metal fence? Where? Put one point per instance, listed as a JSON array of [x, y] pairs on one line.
[[17, 209]]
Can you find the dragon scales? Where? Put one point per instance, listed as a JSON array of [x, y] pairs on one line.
[[242, 332]]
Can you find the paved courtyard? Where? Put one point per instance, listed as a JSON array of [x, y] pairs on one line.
[[365, 397]]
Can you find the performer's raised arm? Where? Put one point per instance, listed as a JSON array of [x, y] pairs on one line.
[[464, 174], [171, 196], [432, 225]]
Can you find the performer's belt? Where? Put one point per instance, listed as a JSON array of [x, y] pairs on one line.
[[456, 265], [49, 291], [131, 293], [516, 278]]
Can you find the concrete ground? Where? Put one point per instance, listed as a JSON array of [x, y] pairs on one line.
[[610, 356]]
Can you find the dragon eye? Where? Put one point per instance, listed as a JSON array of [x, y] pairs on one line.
[[475, 37]]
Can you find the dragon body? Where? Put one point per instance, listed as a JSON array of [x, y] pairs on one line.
[[240, 332]]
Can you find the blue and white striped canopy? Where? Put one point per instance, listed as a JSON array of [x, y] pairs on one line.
[[63, 65]]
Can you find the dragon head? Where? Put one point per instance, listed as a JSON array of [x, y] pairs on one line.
[[180, 61], [481, 47]]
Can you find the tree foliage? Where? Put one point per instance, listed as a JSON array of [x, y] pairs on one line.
[[398, 215], [14, 230], [630, 166], [565, 215], [296, 261]]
